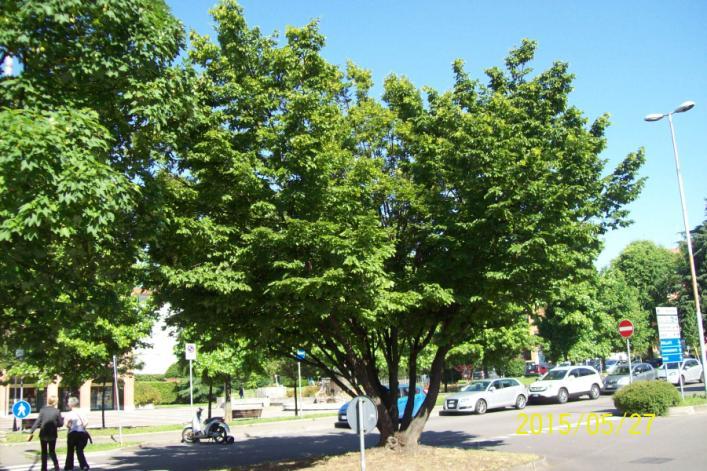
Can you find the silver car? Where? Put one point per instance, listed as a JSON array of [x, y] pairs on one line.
[[479, 396], [619, 377]]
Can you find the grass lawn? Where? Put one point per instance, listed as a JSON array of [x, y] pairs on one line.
[[698, 400], [422, 458]]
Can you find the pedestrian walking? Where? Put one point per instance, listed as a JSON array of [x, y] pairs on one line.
[[241, 392], [48, 422], [77, 438]]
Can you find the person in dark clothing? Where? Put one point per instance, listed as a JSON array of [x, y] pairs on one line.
[[48, 421], [241, 392]]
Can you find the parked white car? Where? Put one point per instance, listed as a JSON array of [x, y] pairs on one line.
[[690, 370], [564, 382], [480, 396]]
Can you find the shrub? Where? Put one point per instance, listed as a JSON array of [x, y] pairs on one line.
[[166, 392], [646, 397], [307, 391], [142, 378], [515, 367], [146, 394]]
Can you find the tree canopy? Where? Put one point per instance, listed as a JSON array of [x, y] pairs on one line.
[[303, 212], [90, 114]]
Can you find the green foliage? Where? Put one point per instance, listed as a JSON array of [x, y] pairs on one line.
[[86, 121], [142, 378], [146, 393], [685, 299], [581, 320], [176, 370], [514, 367], [166, 390], [646, 397], [651, 269], [377, 235]]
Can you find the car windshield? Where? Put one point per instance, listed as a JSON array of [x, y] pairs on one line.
[[554, 374], [477, 386], [621, 370]]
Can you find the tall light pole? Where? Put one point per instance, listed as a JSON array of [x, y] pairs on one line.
[[686, 106]]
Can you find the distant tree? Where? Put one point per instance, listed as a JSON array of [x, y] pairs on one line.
[[685, 299], [652, 271], [581, 320]]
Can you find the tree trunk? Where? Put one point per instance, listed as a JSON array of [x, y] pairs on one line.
[[227, 408], [103, 405], [211, 395], [409, 438]]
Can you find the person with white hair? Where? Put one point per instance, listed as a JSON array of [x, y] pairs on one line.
[[77, 438], [48, 421]]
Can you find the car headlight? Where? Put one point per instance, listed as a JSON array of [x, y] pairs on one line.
[[623, 380], [465, 400]]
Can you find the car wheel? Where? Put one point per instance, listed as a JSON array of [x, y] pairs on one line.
[[481, 406], [562, 396], [521, 401], [594, 392]]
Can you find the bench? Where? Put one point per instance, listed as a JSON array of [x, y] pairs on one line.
[[246, 413], [27, 423]]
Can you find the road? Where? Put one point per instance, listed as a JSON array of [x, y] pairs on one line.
[[671, 443]]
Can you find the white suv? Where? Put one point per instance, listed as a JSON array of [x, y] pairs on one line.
[[564, 382]]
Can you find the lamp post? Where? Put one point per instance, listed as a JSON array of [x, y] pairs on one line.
[[686, 106]]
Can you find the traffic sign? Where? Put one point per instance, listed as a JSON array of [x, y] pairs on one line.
[[626, 328], [190, 351], [671, 350], [300, 354], [21, 409], [369, 417]]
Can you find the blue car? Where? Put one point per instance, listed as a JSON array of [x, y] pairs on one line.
[[402, 402]]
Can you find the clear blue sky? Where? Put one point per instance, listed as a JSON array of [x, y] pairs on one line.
[[630, 58]]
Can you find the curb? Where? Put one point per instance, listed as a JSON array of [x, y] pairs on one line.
[[539, 464], [687, 410]]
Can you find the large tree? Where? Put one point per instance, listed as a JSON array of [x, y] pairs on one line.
[[85, 121], [652, 271], [305, 213]]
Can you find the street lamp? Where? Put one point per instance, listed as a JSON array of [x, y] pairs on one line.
[[686, 106]]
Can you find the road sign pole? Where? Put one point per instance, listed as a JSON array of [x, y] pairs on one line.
[[630, 369], [299, 382], [682, 389], [117, 398], [362, 442], [191, 386]]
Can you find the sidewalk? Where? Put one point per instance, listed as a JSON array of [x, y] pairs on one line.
[[182, 414]]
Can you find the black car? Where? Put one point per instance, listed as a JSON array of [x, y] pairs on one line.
[[655, 362]]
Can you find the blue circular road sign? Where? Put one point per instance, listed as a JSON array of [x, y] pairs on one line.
[[21, 409]]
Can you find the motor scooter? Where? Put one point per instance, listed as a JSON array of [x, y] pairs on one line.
[[215, 429]]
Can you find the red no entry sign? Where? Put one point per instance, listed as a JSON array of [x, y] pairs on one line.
[[626, 328]]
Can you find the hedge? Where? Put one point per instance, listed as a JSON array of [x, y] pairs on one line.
[[646, 397], [166, 392]]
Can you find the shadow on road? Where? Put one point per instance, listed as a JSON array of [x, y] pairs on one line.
[[293, 452]]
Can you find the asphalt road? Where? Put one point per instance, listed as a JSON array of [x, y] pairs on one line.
[[670, 443]]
